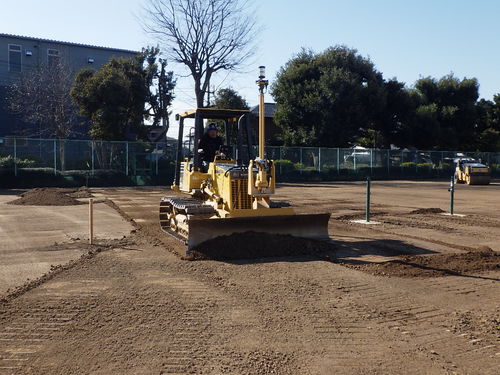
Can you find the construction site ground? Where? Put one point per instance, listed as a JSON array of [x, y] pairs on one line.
[[418, 293]]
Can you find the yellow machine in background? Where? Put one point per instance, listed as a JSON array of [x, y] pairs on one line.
[[231, 196], [472, 172]]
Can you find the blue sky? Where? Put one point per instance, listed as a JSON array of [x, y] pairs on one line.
[[405, 39]]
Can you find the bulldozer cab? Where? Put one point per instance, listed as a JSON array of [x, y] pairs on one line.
[[237, 124]]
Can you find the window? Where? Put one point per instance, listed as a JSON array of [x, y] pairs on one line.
[[15, 58], [53, 56]]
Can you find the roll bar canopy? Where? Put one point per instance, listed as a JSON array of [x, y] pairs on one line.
[[214, 113], [239, 117]]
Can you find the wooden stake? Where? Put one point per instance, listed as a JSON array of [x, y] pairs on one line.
[[91, 221]]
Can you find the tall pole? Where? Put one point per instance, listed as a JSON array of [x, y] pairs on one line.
[[261, 123], [262, 82]]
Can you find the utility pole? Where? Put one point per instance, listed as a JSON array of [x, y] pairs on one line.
[[162, 95], [212, 91]]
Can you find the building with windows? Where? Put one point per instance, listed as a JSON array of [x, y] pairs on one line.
[[19, 54]]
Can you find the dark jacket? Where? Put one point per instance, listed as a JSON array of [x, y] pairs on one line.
[[209, 146]]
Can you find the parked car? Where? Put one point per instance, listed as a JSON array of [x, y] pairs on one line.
[[359, 154]]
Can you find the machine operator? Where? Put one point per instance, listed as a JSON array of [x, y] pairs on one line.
[[210, 144]]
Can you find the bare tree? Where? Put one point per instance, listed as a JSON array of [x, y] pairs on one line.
[[41, 97], [205, 35]]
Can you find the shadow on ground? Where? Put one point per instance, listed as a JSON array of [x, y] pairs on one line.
[[245, 248], [347, 252]]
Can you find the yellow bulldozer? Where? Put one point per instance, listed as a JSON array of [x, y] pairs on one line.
[[232, 194], [471, 172]]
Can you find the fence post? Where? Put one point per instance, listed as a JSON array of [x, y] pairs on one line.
[[92, 148], [281, 157], [156, 157], [371, 161], [354, 160], [338, 160], [126, 158], [91, 221], [319, 159], [388, 162], [301, 161], [416, 162], [368, 193], [452, 195], [401, 161], [15, 156], [55, 157]]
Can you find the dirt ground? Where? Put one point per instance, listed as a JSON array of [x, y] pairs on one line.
[[416, 294], [33, 238]]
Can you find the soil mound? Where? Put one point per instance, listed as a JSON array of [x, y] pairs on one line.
[[427, 211], [47, 197], [82, 192], [251, 245], [437, 265]]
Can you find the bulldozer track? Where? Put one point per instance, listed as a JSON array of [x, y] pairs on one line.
[[188, 208]]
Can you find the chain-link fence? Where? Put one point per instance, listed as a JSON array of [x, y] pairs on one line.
[[357, 163], [50, 162]]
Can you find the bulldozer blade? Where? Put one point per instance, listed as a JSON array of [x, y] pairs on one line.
[[313, 226]]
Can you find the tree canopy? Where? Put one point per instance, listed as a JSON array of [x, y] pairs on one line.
[[488, 124], [229, 98], [113, 98], [445, 114], [327, 98], [160, 83], [337, 98]]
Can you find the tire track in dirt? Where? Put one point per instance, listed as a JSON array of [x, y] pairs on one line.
[[425, 327], [353, 322], [25, 332], [210, 321], [480, 288], [355, 341], [182, 357]]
